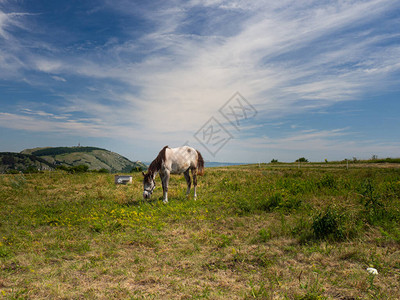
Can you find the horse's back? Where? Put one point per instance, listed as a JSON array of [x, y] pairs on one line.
[[178, 160]]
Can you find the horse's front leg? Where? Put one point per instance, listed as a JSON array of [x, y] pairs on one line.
[[188, 181], [165, 181]]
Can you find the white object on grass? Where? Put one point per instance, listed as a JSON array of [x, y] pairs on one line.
[[372, 271]]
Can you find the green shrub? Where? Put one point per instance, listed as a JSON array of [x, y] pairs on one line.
[[327, 181], [302, 230], [31, 169], [291, 203], [370, 196], [328, 225], [12, 171], [244, 205], [297, 185], [270, 203], [74, 169], [375, 212], [4, 252], [79, 169], [302, 159], [137, 169], [62, 167]]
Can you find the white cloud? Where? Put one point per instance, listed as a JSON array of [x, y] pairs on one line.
[[39, 121], [4, 21], [10, 20], [49, 66], [59, 78]]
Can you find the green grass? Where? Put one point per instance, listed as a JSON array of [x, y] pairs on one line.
[[254, 232]]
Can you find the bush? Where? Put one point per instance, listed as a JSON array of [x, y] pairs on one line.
[[377, 211], [269, 204], [74, 169], [327, 181], [302, 159], [79, 169], [137, 169], [63, 168], [31, 169], [328, 225], [8, 160], [244, 205], [12, 171], [370, 196], [291, 203]]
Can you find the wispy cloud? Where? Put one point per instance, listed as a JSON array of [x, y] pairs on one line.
[[9, 20], [40, 121], [58, 78]]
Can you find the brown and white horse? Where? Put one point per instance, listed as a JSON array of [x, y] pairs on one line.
[[173, 161]]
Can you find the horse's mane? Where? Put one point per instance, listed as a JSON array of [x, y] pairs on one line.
[[155, 165]]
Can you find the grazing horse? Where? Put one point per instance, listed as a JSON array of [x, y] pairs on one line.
[[173, 161]]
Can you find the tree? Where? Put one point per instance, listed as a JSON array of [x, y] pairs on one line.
[[302, 159], [79, 169], [8, 160], [137, 169], [31, 169]]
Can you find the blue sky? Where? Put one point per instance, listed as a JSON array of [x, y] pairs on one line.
[[322, 77]]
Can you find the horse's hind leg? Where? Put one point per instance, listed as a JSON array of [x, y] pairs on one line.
[[188, 181], [194, 175]]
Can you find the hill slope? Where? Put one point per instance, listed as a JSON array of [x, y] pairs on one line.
[[94, 158], [22, 162]]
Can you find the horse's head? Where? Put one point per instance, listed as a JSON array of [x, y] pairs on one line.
[[148, 184]]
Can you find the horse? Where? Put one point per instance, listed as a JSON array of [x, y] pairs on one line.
[[173, 161]]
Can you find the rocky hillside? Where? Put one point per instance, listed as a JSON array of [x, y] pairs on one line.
[[94, 158], [15, 162]]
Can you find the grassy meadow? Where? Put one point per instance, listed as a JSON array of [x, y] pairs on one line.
[[255, 232]]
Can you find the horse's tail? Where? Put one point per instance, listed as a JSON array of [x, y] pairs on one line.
[[200, 164]]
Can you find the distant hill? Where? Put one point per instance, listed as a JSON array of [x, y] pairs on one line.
[[93, 157], [10, 161]]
